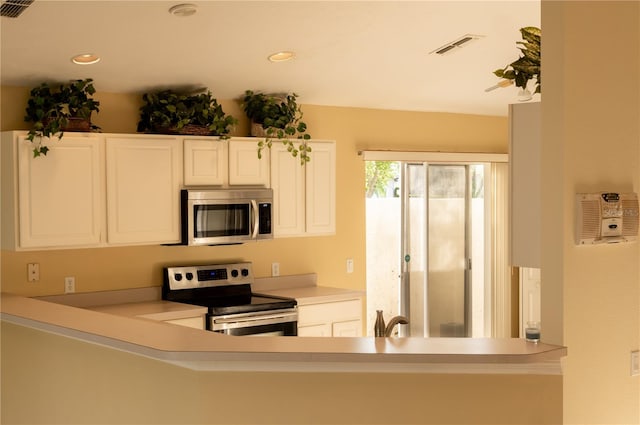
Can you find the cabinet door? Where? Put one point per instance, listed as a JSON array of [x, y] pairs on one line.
[[321, 189], [525, 188], [341, 318], [287, 182], [143, 189], [323, 329], [205, 162], [245, 168], [348, 328], [60, 197]]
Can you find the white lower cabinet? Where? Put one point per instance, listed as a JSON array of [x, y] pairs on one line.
[[52, 201], [339, 318], [323, 329], [347, 328], [144, 177], [304, 195]]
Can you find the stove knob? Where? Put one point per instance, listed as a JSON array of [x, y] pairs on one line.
[[245, 272], [234, 273], [189, 276], [177, 276]]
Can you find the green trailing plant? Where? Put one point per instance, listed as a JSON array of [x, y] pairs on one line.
[[56, 108], [280, 117], [170, 112], [527, 66]]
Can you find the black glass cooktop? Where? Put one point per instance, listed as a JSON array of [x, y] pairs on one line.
[[230, 299]]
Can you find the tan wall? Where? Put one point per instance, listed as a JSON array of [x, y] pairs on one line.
[[47, 379], [591, 138], [353, 129]]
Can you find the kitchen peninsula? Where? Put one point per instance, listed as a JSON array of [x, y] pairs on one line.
[[125, 354], [207, 351]]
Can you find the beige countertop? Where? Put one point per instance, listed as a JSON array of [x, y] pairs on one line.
[[202, 350], [154, 310], [316, 294]]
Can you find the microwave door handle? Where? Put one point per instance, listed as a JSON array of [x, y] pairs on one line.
[[256, 219]]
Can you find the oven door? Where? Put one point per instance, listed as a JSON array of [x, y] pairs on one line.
[[261, 323]]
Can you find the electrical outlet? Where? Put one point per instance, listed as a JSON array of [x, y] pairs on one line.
[[349, 265], [33, 272], [275, 269], [635, 363], [69, 285]]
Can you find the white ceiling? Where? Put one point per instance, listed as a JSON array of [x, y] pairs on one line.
[[373, 54]]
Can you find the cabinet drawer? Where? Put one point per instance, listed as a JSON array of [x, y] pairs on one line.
[[339, 311]]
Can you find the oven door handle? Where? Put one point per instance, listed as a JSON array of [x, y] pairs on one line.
[[257, 320], [256, 219]]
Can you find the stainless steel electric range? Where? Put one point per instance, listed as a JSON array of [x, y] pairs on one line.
[[233, 309]]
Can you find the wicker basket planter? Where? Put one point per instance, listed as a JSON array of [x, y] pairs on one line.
[[74, 124], [189, 129], [257, 130], [56, 108], [200, 114]]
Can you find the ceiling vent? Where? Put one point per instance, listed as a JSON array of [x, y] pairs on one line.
[[13, 8], [458, 43]]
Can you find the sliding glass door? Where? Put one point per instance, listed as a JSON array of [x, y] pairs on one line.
[[435, 238]]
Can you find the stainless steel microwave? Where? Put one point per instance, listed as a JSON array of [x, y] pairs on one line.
[[226, 216]]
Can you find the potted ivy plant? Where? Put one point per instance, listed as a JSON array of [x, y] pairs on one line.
[[170, 112], [56, 108], [279, 117], [527, 66]]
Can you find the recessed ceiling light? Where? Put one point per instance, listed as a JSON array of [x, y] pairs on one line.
[[282, 56], [85, 59], [185, 9]]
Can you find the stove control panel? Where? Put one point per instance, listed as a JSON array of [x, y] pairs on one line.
[[188, 277]]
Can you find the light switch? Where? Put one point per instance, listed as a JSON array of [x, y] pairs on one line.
[[349, 265], [635, 363]]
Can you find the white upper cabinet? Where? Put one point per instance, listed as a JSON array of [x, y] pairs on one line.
[[245, 168], [205, 162], [304, 195], [287, 182], [59, 200], [104, 189], [144, 177], [525, 183], [321, 189]]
